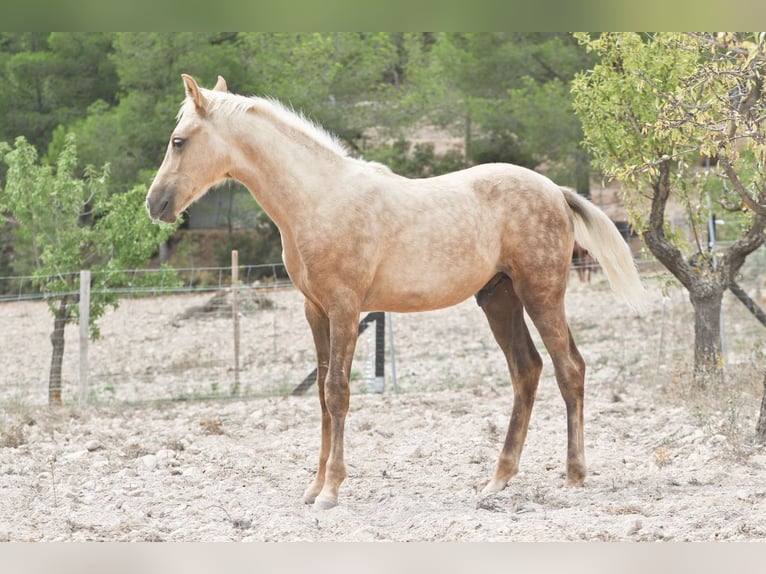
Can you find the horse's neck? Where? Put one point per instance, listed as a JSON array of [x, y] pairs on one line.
[[284, 170]]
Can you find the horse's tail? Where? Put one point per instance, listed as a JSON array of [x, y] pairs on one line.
[[597, 233]]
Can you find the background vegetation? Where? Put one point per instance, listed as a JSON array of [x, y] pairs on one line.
[[505, 95]]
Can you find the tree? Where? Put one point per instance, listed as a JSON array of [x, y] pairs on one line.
[[50, 79], [508, 93], [70, 223], [338, 79], [653, 110], [129, 131]]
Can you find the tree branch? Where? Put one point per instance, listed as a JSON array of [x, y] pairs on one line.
[[728, 206], [551, 72], [708, 38], [669, 255], [735, 255], [732, 176]]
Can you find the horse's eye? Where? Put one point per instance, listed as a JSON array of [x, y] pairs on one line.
[[177, 142]]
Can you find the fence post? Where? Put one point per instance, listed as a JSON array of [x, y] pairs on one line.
[[235, 315], [380, 353], [84, 323]]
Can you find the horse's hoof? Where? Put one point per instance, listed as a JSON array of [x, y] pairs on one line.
[[495, 485], [311, 493], [325, 503], [575, 475]]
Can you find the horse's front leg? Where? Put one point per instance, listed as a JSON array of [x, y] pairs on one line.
[[320, 329], [344, 319]]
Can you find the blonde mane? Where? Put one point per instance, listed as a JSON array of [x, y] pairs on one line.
[[235, 104]]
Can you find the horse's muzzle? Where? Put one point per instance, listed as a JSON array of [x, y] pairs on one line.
[[160, 205]]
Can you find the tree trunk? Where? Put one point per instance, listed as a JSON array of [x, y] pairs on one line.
[[57, 340], [760, 428], [708, 350]]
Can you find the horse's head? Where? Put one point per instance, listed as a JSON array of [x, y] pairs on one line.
[[195, 159]]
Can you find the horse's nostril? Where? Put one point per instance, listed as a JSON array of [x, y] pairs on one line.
[[164, 206]]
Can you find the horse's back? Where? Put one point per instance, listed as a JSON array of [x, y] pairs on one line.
[[444, 237]]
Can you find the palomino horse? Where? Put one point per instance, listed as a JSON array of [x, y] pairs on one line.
[[357, 237]]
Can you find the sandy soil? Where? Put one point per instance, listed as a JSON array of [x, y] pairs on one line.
[[660, 467]]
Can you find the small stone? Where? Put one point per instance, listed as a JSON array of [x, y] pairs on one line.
[[524, 507], [93, 445], [148, 462]]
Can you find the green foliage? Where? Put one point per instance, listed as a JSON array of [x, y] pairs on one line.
[[620, 100], [50, 79], [654, 109], [119, 92], [68, 223], [507, 93], [419, 160], [337, 78], [672, 98]]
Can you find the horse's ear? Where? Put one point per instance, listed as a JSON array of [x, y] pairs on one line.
[[220, 85], [193, 93]]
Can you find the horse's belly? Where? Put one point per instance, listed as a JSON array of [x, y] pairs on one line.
[[405, 291]]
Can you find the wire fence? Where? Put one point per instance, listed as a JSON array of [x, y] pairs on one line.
[[177, 342], [137, 282]]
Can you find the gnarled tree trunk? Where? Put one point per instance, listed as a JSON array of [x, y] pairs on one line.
[[708, 349], [704, 277]]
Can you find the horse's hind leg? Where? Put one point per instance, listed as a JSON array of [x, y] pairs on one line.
[[545, 306], [505, 314]]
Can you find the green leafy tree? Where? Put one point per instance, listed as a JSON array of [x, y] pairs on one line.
[[653, 109], [416, 161], [70, 223], [129, 128], [338, 79], [508, 93], [50, 79]]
